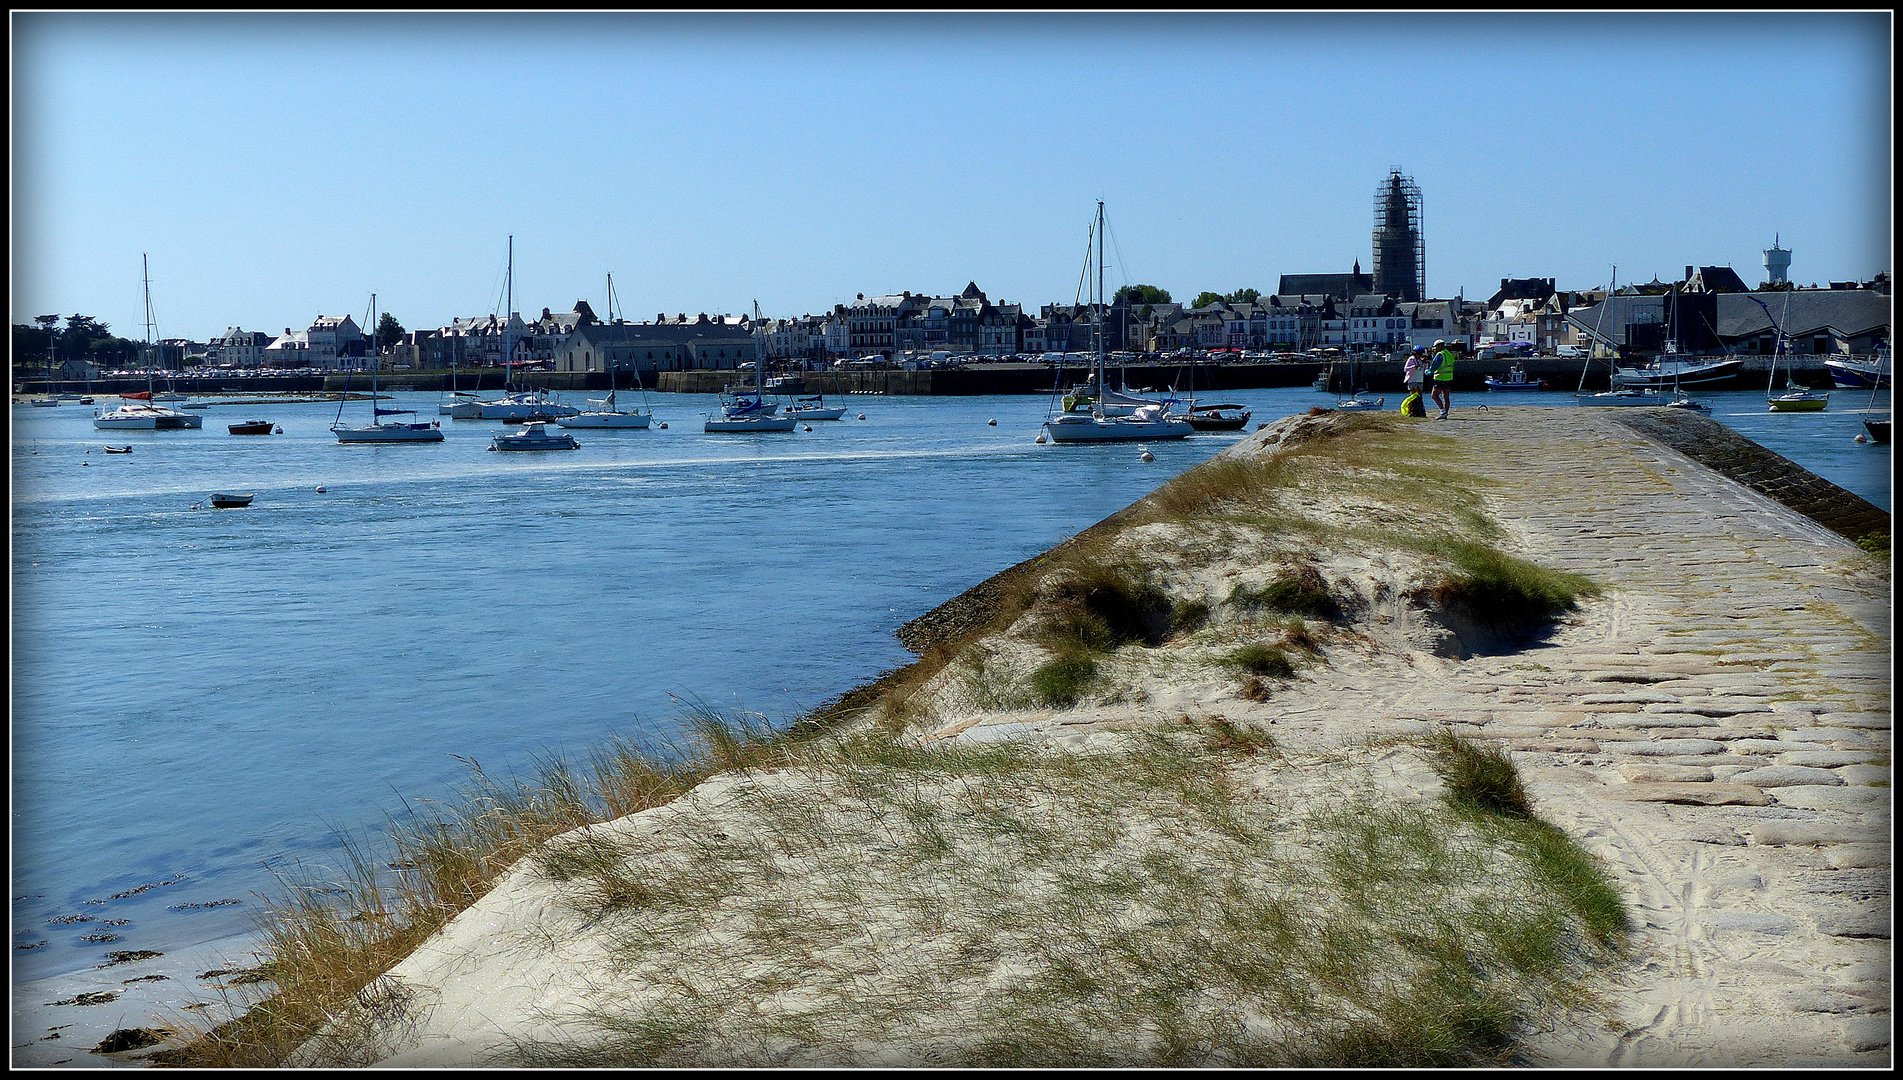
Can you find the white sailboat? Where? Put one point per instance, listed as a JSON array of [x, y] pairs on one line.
[[1617, 395], [376, 431], [520, 403], [138, 412], [749, 410], [1794, 398], [1142, 423], [608, 416]]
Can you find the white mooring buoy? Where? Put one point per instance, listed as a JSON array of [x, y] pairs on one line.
[[993, 422], [1040, 438], [663, 425], [320, 489], [1147, 456], [862, 416], [809, 427], [1861, 438]]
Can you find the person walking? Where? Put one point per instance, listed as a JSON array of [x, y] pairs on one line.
[[1443, 368]]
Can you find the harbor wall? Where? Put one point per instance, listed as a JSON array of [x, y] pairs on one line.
[[1380, 376]]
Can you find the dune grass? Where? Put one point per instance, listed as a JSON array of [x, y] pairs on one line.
[[1006, 906], [1191, 922]]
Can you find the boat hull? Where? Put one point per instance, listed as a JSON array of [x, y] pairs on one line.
[[125, 423], [605, 420], [818, 414], [1070, 429], [1850, 375], [1670, 375], [1638, 398], [1879, 430], [750, 423], [1799, 404], [389, 433], [232, 500], [256, 427], [526, 411]]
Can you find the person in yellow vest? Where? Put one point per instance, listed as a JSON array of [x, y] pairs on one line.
[[1443, 365]]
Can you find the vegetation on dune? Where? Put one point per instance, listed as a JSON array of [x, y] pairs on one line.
[[1125, 905]]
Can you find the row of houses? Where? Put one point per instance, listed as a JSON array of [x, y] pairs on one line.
[[1709, 310]]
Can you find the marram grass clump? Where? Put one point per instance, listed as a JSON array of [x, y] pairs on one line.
[[1506, 592]]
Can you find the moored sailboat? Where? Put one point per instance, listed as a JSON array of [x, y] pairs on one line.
[[376, 431], [139, 412], [1144, 422]]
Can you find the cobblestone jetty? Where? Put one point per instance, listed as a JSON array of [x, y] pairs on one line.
[[1716, 726]]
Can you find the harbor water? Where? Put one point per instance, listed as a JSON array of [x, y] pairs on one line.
[[203, 698]]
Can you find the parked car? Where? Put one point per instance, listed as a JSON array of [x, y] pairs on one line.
[[1573, 350]]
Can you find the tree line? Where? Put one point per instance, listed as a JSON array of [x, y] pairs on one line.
[[44, 342]]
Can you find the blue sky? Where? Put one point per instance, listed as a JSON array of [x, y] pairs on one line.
[[276, 167]]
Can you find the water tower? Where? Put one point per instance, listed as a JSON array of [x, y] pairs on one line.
[[1777, 262]]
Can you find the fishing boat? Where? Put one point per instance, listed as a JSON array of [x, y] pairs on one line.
[[1147, 422], [1849, 373], [251, 427], [534, 435], [1517, 379], [743, 410], [118, 449], [232, 500], [140, 412], [377, 431], [1217, 417]]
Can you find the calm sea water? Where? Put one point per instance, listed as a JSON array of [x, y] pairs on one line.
[[200, 695]]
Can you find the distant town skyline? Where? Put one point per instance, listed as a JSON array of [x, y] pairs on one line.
[[276, 167]]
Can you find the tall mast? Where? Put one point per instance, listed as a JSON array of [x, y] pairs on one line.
[[508, 309], [145, 273], [375, 420], [1100, 311]]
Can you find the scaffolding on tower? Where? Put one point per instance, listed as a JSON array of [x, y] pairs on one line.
[[1400, 257]]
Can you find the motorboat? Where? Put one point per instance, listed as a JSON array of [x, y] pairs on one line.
[[1517, 379], [1683, 401], [1360, 402], [44, 403], [251, 427], [232, 500], [534, 436], [377, 430], [1220, 417], [118, 449]]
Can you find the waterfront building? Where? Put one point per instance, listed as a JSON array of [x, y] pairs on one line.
[[238, 348], [706, 343], [288, 350], [335, 343], [1817, 322], [1376, 324]]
